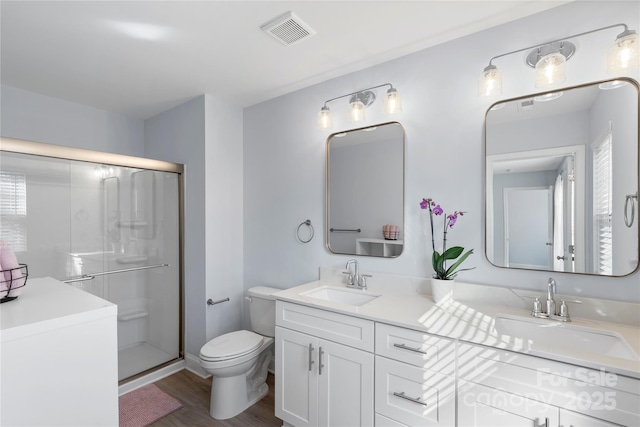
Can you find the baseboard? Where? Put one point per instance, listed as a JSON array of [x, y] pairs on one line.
[[193, 365], [151, 377]]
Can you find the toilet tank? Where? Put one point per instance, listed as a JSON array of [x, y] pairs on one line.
[[262, 310]]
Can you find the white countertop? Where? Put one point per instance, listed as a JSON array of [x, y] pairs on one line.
[[472, 322], [46, 304]]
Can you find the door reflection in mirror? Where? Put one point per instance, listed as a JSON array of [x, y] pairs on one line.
[[563, 168]]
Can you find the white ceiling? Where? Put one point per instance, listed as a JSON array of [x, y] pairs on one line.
[[84, 51]]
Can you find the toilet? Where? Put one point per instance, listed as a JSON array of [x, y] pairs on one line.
[[238, 361]]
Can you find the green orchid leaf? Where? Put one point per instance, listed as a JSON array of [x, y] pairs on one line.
[[451, 269], [453, 252]]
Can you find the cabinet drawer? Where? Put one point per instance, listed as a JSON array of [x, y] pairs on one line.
[[594, 393], [336, 327], [415, 347], [412, 395]]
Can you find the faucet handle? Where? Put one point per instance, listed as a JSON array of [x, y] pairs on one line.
[[349, 278], [563, 314], [537, 308], [363, 283]]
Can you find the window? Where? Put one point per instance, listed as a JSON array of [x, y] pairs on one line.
[[13, 210], [602, 204]]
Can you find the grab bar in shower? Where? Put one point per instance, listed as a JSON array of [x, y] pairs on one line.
[[344, 230], [104, 273]]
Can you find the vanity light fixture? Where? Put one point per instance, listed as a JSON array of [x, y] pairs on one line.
[[359, 101], [549, 60]]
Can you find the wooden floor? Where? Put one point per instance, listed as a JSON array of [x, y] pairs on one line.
[[194, 393]]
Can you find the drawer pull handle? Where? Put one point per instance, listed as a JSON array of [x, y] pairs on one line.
[[320, 365], [406, 347], [310, 356], [410, 399]]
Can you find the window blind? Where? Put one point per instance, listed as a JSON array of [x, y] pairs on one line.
[[602, 204], [13, 210]]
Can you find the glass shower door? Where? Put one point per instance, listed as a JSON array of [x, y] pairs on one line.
[[109, 230], [141, 222]]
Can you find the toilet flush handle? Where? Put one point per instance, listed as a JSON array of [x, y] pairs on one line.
[[248, 299]]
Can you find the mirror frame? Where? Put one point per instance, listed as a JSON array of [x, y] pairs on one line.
[[630, 81], [328, 187]]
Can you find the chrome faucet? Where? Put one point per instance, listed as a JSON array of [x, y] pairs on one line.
[[551, 303], [355, 279], [562, 314]]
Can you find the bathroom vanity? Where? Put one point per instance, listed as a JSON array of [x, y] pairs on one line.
[[389, 356], [58, 358]]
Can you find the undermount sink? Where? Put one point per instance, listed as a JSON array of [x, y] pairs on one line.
[[340, 295], [553, 336]]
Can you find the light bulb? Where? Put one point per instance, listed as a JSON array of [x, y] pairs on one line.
[[393, 102], [490, 82], [356, 112], [623, 55], [550, 70], [324, 118]]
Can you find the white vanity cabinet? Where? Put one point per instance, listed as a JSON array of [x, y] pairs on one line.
[[499, 387], [324, 366], [58, 358], [415, 378]]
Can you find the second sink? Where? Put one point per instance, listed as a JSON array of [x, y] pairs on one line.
[[548, 335], [341, 295]]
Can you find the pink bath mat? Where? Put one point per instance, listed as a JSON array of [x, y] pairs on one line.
[[145, 406]]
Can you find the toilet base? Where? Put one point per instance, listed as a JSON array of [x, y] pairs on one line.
[[232, 395]]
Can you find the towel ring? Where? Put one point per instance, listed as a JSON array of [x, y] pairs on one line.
[[308, 224], [629, 222]]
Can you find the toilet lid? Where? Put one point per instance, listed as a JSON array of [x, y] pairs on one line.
[[230, 345]]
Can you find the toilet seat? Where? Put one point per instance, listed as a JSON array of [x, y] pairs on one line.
[[230, 346]]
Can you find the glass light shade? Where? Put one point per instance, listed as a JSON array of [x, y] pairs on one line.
[[550, 70], [623, 55], [393, 102], [490, 82], [356, 111], [324, 118]]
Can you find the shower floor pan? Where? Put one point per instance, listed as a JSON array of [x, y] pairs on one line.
[[138, 358]]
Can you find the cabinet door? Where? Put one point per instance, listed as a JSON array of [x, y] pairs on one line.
[[480, 406], [296, 392], [574, 419], [345, 386]]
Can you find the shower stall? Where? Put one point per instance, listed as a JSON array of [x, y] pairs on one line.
[[107, 224]]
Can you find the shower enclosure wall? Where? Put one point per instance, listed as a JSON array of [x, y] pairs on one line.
[[107, 224]]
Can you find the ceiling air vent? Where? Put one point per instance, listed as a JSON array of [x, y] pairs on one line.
[[288, 29]]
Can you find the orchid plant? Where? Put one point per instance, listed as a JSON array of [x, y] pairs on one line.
[[439, 260]]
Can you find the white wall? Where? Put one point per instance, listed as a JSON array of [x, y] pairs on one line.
[[205, 134], [34, 117], [284, 152], [224, 207]]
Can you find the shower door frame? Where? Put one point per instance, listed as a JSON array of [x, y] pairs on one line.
[[19, 146]]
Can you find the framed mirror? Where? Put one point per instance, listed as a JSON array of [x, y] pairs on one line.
[[365, 191], [562, 180]]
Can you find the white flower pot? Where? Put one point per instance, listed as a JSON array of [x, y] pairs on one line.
[[442, 290]]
